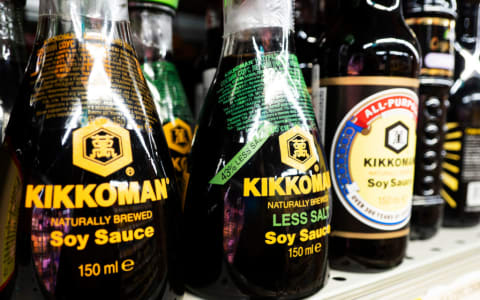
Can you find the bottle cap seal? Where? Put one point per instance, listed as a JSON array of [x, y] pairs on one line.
[[247, 14]]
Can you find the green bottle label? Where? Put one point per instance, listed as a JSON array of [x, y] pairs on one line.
[[167, 91], [172, 106], [266, 84]]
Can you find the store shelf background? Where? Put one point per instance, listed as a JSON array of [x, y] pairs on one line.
[[437, 262]]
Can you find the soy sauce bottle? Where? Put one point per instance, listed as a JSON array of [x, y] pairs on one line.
[[461, 169], [98, 213], [434, 25], [257, 208], [369, 64], [152, 36]]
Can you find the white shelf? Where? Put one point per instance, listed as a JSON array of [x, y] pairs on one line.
[[438, 262]]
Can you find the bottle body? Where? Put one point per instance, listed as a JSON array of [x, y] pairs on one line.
[[434, 26], [250, 190], [460, 171], [99, 215], [371, 89], [152, 35]]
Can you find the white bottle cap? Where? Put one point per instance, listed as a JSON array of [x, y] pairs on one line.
[[247, 14]]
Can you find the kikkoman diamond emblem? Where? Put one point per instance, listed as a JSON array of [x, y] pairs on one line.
[[178, 135], [396, 137], [102, 147], [297, 149]]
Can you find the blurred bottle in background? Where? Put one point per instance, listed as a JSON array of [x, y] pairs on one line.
[[206, 65], [307, 36], [434, 25], [152, 37], [461, 168], [12, 58]]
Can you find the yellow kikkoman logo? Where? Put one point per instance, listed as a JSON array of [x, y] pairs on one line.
[[178, 135], [297, 149], [102, 147]]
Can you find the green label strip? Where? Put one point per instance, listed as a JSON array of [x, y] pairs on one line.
[[244, 155]]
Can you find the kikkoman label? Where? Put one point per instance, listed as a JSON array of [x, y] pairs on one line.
[[372, 158], [178, 135], [297, 150], [102, 147]]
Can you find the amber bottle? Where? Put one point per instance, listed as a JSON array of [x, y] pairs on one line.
[[369, 62]]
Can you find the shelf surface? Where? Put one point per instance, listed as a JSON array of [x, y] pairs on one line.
[[444, 267]]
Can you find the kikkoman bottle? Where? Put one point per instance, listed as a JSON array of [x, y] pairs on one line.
[[258, 207], [208, 62], [99, 213], [11, 61], [152, 36], [434, 25], [461, 169], [370, 67]]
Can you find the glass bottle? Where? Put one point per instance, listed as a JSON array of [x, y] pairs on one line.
[[461, 168], [434, 25], [257, 207], [99, 211], [208, 62], [152, 37], [369, 63], [307, 35], [11, 60]]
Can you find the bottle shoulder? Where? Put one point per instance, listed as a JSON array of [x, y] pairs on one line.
[[353, 48]]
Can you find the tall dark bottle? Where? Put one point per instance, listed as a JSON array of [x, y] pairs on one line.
[[152, 37], [258, 204], [370, 67], [307, 36], [434, 25], [208, 61], [87, 157], [461, 169], [11, 60]]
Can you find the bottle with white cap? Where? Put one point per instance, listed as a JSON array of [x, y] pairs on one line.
[[257, 211], [87, 180]]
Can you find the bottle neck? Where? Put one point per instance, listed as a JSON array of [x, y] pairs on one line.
[[103, 20], [12, 46], [108, 10], [256, 41], [467, 28], [7, 21], [152, 30], [214, 26], [306, 12]]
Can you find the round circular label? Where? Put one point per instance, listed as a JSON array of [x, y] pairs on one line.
[[373, 159]]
